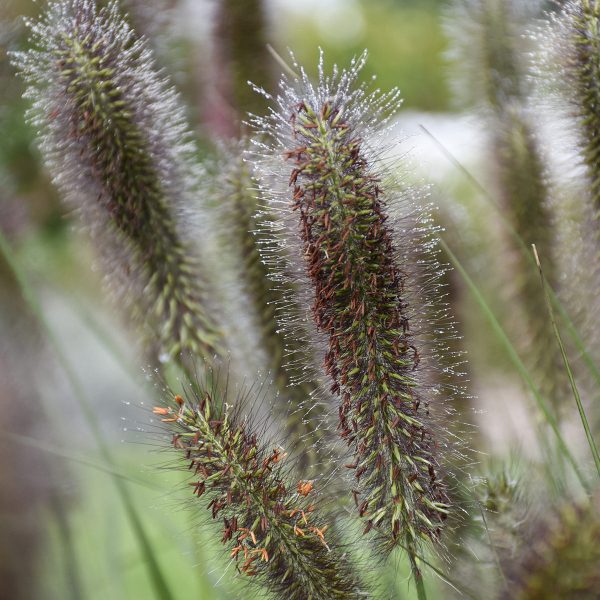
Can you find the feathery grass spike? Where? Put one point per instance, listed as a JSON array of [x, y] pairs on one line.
[[358, 271], [577, 35], [273, 528], [114, 138]]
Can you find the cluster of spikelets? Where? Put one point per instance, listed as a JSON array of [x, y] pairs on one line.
[[325, 269], [274, 530], [339, 196]]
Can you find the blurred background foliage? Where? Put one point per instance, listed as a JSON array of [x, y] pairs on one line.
[[63, 530]]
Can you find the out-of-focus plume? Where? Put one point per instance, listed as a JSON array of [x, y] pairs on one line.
[[489, 56], [114, 138]]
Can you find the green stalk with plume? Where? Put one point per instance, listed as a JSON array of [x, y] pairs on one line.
[[337, 217], [258, 262], [114, 138], [562, 557], [487, 44], [274, 529]]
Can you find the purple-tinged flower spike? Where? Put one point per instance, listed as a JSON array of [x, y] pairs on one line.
[[273, 526], [114, 138], [360, 275]]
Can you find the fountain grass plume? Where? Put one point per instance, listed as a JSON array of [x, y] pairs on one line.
[[273, 525], [575, 35], [113, 134], [300, 403], [319, 150]]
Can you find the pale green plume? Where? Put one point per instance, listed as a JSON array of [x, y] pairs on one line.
[[114, 138]]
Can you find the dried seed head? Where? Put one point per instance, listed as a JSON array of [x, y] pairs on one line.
[[275, 532], [360, 277], [114, 138]]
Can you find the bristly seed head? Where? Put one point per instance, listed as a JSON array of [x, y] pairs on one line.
[[359, 276], [115, 140], [273, 527]]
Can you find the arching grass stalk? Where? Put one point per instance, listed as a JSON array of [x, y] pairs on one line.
[[114, 138], [273, 527], [272, 299], [359, 275]]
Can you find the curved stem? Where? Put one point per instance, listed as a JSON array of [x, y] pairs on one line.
[[417, 576]]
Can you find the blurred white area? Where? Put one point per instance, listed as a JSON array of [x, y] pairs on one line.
[[341, 21], [461, 135]]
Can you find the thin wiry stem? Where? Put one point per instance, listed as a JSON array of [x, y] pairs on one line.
[[568, 369], [115, 141], [520, 366]]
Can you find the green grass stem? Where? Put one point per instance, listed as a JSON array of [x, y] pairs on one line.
[[576, 395], [518, 363]]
